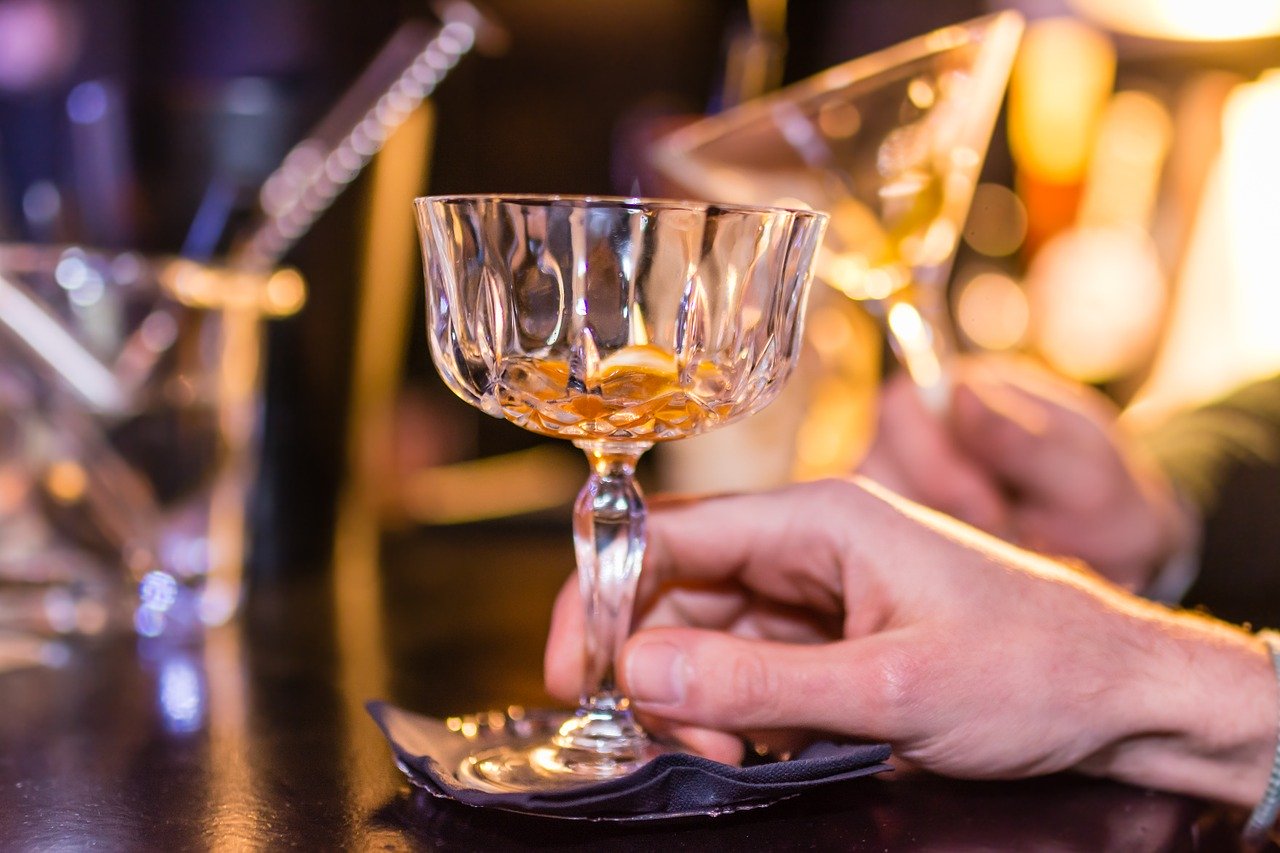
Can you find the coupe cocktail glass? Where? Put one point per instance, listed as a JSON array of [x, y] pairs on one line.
[[615, 323], [889, 144]]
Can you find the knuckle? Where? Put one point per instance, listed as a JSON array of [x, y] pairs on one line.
[[896, 677], [830, 493]]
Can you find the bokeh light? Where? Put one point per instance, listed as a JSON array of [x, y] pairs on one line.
[[66, 481], [1222, 332], [1097, 298], [992, 311], [1060, 82], [997, 222], [1186, 20]]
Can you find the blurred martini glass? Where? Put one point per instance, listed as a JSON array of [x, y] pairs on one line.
[[890, 145]]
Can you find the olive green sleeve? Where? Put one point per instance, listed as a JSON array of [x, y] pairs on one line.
[[1225, 458]]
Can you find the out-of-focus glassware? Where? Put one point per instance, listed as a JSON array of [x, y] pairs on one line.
[[129, 401], [615, 323], [891, 145]]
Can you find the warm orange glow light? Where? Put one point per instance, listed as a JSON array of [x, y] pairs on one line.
[[997, 221], [1061, 79], [1187, 20], [992, 311], [1097, 296], [66, 481], [1223, 329], [1134, 136], [1251, 140], [918, 354]]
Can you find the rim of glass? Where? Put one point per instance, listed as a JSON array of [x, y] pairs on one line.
[[1003, 28], [615, 201]]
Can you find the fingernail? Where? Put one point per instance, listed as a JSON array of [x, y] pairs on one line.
[[656, 674]]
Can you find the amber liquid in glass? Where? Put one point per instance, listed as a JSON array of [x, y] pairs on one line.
[[636, 394]]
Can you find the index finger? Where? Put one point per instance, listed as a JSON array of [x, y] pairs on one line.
[[786, 544], [783, 545]]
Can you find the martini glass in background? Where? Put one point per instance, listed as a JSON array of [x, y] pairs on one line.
[[615, 323], [891, 145]]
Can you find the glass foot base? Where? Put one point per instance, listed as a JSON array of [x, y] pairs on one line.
[[522, 763]]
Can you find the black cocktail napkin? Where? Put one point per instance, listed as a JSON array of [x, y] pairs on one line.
[[673, 785]]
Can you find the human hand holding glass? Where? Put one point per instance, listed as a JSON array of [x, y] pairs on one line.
[[615, 323], [1039, 461], [839, 608]]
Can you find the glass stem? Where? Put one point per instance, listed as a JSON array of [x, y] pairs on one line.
[[920, 334], [608, 533]]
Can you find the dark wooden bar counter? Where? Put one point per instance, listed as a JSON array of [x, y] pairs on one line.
[[255, 737]]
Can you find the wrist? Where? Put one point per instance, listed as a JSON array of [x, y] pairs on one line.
[[1198, 714]]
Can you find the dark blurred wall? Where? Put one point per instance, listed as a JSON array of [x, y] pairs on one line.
[[542, 117], [823, 33]]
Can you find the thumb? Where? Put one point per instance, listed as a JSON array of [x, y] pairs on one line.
[[718, 681]]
